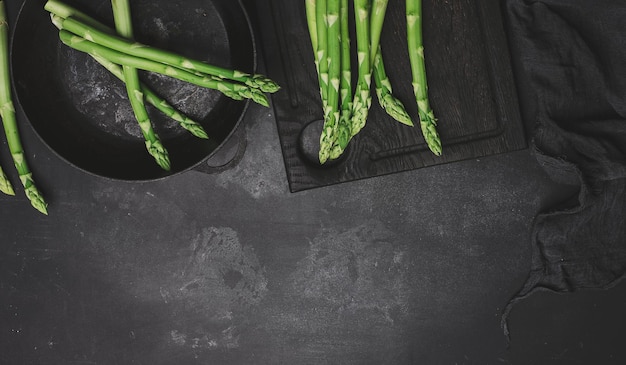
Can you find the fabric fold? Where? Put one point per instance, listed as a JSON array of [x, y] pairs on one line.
[[570, 66]]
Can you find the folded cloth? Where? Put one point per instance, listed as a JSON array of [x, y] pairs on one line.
[[570, 66]]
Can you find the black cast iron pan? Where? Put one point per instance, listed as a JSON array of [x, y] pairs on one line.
[[81, 111]]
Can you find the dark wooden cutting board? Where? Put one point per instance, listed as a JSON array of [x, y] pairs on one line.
[[470, 80]]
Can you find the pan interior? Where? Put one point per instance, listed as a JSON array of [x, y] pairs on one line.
[[82, 112]]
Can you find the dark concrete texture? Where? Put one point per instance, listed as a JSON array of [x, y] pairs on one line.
[[232, 268]]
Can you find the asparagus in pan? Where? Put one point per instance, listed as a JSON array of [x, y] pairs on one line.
[[116, 51], [60, 11], [123, 44]]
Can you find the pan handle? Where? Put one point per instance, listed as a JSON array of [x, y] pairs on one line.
[[228, 155]]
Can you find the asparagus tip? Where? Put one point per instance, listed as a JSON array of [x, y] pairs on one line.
[[156, 150], [163, 161], [5, 184], [36, 199], [7, 189], [196, 130], [264, 84], [431, 136], [395, 109], [336, 152], [323, 156], [260, 98]]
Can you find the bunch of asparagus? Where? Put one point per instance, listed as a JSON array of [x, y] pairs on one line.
[[346, 110], [116, 50], [7, 113]]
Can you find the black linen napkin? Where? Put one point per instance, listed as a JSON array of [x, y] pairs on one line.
[[570, 66]]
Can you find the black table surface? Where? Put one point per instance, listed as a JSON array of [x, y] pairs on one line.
[[231, 268]]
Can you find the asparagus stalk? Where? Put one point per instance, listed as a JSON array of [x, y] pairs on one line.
[[121, 44], [428, 122], [346, 65], [377, 18], [123, 25], [310, 8], [331, 121], [234, 90], [318, 33], [321, 54], [5, 184], [362, 96], [7, 113], [343, 128], [384, 93], [150, 96], [155, 100]]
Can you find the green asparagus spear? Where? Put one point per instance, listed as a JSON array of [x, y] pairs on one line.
[[343, 127], [362, 96], [121, 44], [7, 113], [329, 131], [231, 89], [321, 55], [5, 184], [123, 25], [392, 105], [155, 100], [428, 122]]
